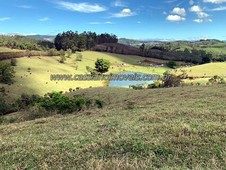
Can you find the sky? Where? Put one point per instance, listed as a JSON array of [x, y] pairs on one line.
[[135, 19]]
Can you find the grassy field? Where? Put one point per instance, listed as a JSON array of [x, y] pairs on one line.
[[204, 70], [209, 69], [38, 79], [173, 128], [5, 49]]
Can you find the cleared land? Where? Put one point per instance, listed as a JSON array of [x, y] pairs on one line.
[[210, 69], [37, 80], [174, 128], [202, 73]]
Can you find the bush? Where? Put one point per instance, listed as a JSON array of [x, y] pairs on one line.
[[171, 64], [13, 62], [79, 103], [56, 102], [99, 103], [26, 100], [217, 80], [171, 80]]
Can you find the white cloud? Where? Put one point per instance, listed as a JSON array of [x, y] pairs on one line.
[[203, 20], [175, 18], [101, 23], [82, 7], [5, 18], [202, 16], [108, 22], [221, 8], [119, 3], [179, 11], [126, 12], [44, 19], [198, 20], [215, 1], [196, 8]]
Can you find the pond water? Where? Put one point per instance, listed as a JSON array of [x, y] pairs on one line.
[[146, 79]]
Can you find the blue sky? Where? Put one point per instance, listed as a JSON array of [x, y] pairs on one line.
[[137, 19]]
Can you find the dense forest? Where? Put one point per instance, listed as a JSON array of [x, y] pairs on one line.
[[86, 40]]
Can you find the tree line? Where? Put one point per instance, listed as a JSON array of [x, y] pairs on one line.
[[194, 56], [83, 41]]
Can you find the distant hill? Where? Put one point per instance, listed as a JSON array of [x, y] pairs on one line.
[[134, 42], [43, 37]]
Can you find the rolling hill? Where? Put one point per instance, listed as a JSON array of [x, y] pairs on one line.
[[172, 128]]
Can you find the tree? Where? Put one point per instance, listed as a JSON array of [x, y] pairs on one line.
[[102, 65], [171, 64], [6, 73], [62, 56]]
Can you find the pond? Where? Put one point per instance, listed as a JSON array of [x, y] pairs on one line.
[[137, 78]]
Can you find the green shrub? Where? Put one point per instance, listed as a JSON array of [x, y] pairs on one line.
[[79, 103], [171, 64], [89, 103], [56, 102], [99, 103]]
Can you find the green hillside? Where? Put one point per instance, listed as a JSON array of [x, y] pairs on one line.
[[37, 80], [173, 128]]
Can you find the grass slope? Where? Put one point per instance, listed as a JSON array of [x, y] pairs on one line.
[[38, 80], [209, 69], [175, 128], [5, 49]]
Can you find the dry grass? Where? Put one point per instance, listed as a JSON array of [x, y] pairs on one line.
[[175, 128]]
